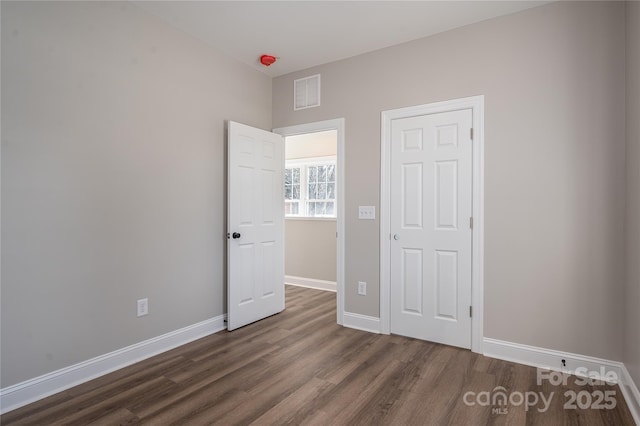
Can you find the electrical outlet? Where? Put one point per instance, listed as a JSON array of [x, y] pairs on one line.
[[367, 212], [143, 307], [362, 288]]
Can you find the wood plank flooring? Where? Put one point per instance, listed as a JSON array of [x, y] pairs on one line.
[[299, 367]]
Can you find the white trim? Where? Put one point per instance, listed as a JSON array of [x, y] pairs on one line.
[[476, 104], [552, 360], [631, 394], [310, 283], [547, 358], [362, 322], [312, 218], [338, 125], [312, 161], [24, 393]]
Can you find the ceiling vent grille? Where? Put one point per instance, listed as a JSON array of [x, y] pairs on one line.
[[306, 92]]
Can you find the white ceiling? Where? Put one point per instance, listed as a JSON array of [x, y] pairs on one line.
[[308, 33]]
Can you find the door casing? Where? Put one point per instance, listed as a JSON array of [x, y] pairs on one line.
[[319, 126], [476, 104]]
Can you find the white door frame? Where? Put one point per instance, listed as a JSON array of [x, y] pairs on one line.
[[476, 104], [320, 126]]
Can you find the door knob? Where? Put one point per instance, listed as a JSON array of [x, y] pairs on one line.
[[396, 237], [236, 235]]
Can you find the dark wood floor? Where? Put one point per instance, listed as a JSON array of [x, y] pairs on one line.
[[299, 367]]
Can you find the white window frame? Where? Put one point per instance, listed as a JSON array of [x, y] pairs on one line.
[[304, 164], [301, 182]]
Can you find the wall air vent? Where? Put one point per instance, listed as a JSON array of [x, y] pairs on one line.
[[306, 92]]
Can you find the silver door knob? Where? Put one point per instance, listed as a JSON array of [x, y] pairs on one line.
[[396, 237]]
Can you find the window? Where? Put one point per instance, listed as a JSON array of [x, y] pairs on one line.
[[310, 187], [292, 191]]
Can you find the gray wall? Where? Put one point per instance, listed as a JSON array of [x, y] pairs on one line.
[[632, 335], [113, 181], [310, 247], [554, 84]]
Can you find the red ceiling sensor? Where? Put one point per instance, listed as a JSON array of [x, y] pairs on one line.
[[267, 60]]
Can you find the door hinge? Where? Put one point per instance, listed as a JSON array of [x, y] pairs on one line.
[[471, 223], [471, 133], [470, 311]]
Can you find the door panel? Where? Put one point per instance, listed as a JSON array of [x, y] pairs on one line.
[[431, 194], [446, 284], [446, 190], [412, 196], [255, 218], [412, 281]]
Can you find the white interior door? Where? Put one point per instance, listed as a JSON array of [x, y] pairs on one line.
[[431, 207], [255, 221]]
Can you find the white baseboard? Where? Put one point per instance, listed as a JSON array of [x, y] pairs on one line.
[[24, 393], [310, 283], [579, 365], [548, 358], [361, 322], [631, 394]]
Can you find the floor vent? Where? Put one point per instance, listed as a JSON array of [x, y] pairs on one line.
[[306, 92]]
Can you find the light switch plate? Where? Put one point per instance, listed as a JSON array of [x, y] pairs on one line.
[[367, 212]]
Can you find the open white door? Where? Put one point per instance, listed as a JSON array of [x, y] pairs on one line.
[[255, 225]]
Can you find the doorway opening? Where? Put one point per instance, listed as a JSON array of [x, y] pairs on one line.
[[310, 207], [314, 206]]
